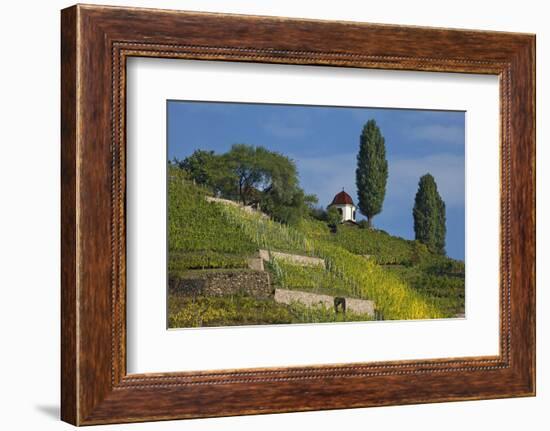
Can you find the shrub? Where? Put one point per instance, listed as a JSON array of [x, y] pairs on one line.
[[186, 312], [363, 224], [318, 213]]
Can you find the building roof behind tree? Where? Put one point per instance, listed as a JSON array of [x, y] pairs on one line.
[[342, 198]]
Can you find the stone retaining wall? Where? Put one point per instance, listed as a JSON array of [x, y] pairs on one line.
[[222, 283], [256, 263], [359, 306], [296, 259], [246, 208], [309, 299], [222, 201]]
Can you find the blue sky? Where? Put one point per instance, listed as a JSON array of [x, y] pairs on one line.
[[323, 141]]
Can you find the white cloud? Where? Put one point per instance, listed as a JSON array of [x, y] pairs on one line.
[[325, 176], [438, 133], [294, 125], [447, 169], [281, 130]]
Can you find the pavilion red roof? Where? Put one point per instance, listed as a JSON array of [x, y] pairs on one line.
[[342, 198]]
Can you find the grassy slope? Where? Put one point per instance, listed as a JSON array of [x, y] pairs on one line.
[[314, 279], [380, 246], [198, 236], [361, 277], [210, 235], [439, 278], [188, 312], [445, 290]]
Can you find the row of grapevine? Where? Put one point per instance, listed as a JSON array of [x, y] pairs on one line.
[[364, 278], [195, 225], [266, 233], [381, 247], [288, 275], [179, 261]]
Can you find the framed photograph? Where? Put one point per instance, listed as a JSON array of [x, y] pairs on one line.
[[265, 215]]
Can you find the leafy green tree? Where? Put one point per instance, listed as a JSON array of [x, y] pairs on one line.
[[248, 167], [208, 169], [371, 174], [287, 208], [333, 218], [429, 215], [198, 165], [318, 213], [254, 176], [267, 179], [363, 224]]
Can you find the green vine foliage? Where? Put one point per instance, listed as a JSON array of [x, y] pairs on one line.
[[403, 278]]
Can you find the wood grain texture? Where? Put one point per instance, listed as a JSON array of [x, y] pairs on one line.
[[96, 41], [69, 366]]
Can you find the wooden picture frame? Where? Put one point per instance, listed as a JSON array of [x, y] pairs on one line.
[[95, 43]]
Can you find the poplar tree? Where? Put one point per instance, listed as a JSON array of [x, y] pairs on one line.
[[429, 215], [371, 174]]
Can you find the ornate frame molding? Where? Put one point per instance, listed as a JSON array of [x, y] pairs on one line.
[[96, 41]]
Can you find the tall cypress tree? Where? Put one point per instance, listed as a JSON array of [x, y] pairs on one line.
[[429, 215], [371, 174]]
